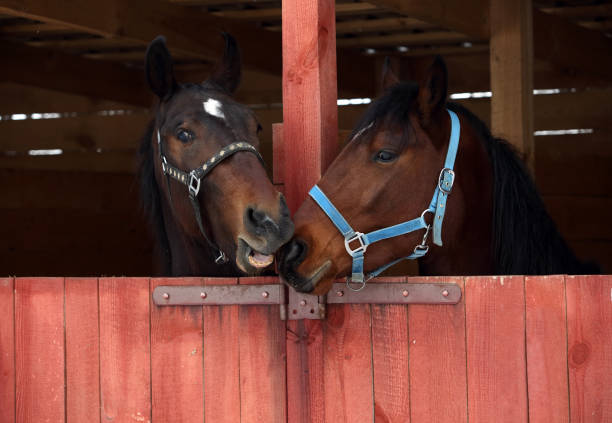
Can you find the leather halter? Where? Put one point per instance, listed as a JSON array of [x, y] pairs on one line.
[[194, 178], [437, 207]]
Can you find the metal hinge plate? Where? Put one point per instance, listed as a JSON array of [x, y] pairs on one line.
[[295, 306]]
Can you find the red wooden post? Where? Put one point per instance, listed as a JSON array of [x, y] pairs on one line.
[[309, 143], [310, 112]]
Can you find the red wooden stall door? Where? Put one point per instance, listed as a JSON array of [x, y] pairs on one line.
[[514, 349]]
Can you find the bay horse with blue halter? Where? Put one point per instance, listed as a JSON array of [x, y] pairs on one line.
[[203, 183], [422, 179]]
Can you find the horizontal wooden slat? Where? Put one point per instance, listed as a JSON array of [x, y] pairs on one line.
[[17, 98], [113, 161], [405, 39], [275, 13], [85, 133]]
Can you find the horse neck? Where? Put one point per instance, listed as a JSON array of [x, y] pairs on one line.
[[467, 227], [190, 256]]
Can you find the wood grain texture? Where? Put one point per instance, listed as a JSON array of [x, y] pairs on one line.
[[7, 350], [221, 359], [495, 331], [310, 112], [177, 381], [125, 361], [438, 379], [589, 319], [278, 154], [546, 348], [348, 364], [39, 349], [390, 361], [263, 387], [511, 55], [305, 371], [82, 350]]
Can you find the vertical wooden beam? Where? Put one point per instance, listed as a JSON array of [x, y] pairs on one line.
[[310, 111], [512, 74]]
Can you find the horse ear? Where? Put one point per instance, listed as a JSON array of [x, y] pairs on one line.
[[228, 72], [388, 77], [433, 90], [158, 68]]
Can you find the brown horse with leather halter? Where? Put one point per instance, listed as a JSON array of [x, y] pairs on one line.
[[381, 184], [204, 185]]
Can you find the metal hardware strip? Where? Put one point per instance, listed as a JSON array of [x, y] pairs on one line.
[[294, 305]]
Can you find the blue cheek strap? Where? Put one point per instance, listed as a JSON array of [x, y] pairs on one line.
[[356, 243]]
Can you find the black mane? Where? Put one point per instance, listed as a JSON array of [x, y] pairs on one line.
[[525, 238], [150, 197]]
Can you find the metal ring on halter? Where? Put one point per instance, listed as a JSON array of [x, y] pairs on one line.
[[349, 281]]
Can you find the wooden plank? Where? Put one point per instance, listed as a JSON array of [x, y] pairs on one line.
[[569, 110], [470, 19], [495, 332], [17, 98], [262, 361], [511, 47], [177, 372], [125, 361], [310, 117], [51, 69], [568, 213], [86, 133], [347, 349], [121, 161], [408, 39], [546, 349], [39, 349], [274, 13], [221, 359], [7, 349], [589, 319], [390, 361], [596, 251], [82, 350], [305, 375], [93, 191], [437, 358], [381, 24]]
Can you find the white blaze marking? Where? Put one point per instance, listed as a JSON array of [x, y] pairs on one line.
[[213, 107]]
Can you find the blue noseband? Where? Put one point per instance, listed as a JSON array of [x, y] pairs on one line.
[[360, 241]]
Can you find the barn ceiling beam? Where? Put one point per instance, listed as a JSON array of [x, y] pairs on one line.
[[567, 46], [187, 32], [45, 68]]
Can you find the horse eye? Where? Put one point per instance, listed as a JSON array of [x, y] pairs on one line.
[[184, 136], [385, 156]]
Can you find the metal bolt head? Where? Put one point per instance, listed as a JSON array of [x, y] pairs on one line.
[[340, 293], [265, 294], [445, 293], [165, 295], [405, 293], [202, 295], [303, 302]]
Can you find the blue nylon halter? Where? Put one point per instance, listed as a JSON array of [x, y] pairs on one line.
[[437, 207]]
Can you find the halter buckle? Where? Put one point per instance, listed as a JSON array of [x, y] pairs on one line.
[[357, 236], [443, 185], [194, 184], [221, 259]]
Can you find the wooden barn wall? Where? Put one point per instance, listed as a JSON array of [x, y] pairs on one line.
[[78, 213]]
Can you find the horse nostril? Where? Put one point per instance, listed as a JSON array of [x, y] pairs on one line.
[[296, 250], [258, 221]]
